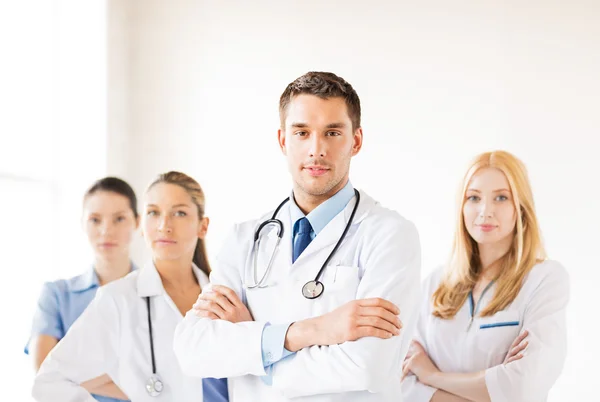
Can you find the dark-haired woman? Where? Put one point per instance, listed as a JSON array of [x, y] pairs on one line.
[[110, 219]]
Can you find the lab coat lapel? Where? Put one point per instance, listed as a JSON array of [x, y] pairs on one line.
[[148, 281], [331, 233]]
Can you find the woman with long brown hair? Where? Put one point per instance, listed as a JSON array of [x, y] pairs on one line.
[[127, 331], [492, 325]]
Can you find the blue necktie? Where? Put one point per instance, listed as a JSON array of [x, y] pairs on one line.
[[215, 390], [302, 239]]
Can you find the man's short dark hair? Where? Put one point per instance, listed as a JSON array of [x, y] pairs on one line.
[[325, 86]]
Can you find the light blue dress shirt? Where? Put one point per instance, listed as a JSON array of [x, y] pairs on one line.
[[60, 304], [273, 337]]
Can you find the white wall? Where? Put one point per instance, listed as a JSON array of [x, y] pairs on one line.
[[52, 146], [438, 84]]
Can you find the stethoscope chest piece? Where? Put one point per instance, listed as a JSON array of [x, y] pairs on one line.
[[154, 385], [312, 289]]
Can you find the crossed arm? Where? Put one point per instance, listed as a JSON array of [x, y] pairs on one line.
[[41, 345], [532, 365], [358, 347], [455, 387]]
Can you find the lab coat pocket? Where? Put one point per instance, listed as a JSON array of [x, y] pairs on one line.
[[344, 284], [496, 333], [340, 285], [345, 278]]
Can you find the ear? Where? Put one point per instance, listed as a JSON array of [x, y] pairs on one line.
[[137, 222], [281, 139], [358, 139], [203, 227]]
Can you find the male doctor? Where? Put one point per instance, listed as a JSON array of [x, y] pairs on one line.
[[290, 331]]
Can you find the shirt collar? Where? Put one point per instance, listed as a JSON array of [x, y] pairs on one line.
[[88, 280], [85, 281], [324, 213], [150, 284]]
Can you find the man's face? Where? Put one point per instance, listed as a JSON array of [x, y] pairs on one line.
[[318, 140]]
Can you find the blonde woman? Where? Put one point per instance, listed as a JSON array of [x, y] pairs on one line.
[[492, 322]]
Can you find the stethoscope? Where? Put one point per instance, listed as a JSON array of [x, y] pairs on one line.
[[311, 289], [154, 385]]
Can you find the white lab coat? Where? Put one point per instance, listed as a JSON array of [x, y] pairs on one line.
[[539, 308], [112, 337], [379, 258]]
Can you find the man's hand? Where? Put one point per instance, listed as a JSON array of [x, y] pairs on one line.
[[221, 303], [354, 320]]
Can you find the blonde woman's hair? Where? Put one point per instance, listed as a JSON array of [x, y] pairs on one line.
[[464, 267]]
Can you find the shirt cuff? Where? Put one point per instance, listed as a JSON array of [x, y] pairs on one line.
[[55, 333], [273, 339], [268, 378]]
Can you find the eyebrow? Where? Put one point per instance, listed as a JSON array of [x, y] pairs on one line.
[[99, 214], [174, 206], [299, 125], [330, 125], [495, 191]]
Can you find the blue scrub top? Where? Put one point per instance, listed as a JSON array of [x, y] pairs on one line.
[[60, 304]]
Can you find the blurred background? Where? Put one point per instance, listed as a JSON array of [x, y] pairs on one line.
[[134, 88]]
